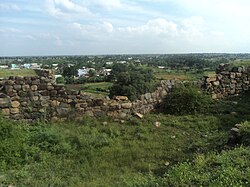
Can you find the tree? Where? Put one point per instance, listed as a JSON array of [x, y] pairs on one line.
[[132, 82], [186, 99], [70, 71], [92, 73]]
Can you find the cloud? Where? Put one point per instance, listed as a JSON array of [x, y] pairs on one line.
[[9, 7], [66, 9], [155, 27], [98, 31], [108, 4]]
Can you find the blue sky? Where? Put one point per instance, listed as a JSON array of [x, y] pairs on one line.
[[82, 27]]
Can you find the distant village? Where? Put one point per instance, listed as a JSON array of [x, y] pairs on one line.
[[84, 71]]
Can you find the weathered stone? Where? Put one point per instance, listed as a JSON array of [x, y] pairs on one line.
[[139, 115], [17, 87], [8, 88], [15, 104], [238, 74], [44, 92], [89, 113], [45, 98], [25, 87], [216, 83], [35, 98], [34, 87], [63, 111], [232, 75], [44, 103], [24, 103], [50, 88], [126, 105], [121, 98], [214, 96], [235, 130], [148, 96], [14, 110], [211, 78], [6, 111], [5, 102], [122, 115], [55, 103], [157, 124]]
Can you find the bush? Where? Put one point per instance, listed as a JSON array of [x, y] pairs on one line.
[[132, 82], [186, 99], [245, 133], [228, 168], [60, 80]]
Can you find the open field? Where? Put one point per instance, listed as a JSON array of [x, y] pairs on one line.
[[181, 75], [182, 150], [97, 89], [17, 72], [238, 63]]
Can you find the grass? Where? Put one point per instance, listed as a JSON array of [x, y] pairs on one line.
[[238, 63], [99, 89], [189, 75], [17, 72], [186, 150], [88, 153]]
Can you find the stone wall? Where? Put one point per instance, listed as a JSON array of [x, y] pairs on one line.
[[226, 83], [32, 98]]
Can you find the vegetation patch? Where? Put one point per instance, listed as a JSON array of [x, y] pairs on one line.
[[17, 72]]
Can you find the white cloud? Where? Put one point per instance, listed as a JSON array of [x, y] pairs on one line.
[[108, 4], [156, 27], [9, 7], [66, 9], [99, 31]]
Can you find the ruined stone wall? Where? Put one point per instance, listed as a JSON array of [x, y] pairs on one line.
[[32, 98], [226, 83]]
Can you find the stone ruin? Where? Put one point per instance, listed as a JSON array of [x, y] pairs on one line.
[[39, 97], [226, 83]]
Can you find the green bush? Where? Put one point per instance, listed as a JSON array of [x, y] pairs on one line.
[[228, 168], [132, 82], [60, 80], [245, 133], [186, 99]]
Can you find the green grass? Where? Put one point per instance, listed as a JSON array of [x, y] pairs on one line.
[[184, 151], [90, 154], [238, 63], [17, 72], [99, 89], [189, 75]]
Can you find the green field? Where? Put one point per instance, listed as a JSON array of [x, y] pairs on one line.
[[184, 150], [189, 75], [17, 72], [238, 63], [96, 89]]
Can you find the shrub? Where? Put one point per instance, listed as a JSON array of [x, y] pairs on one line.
[[132, 82], [60, 80], [245, 133], [186, 99]]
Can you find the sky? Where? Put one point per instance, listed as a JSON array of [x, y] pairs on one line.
[[92, 27]]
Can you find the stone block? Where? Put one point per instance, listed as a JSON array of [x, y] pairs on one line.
[[14, 111], [121, 98], [55, 103], [15, 104], [126, 105], [6, 111], [5, 102], [25, 87], [17, 87], [34, 87]]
